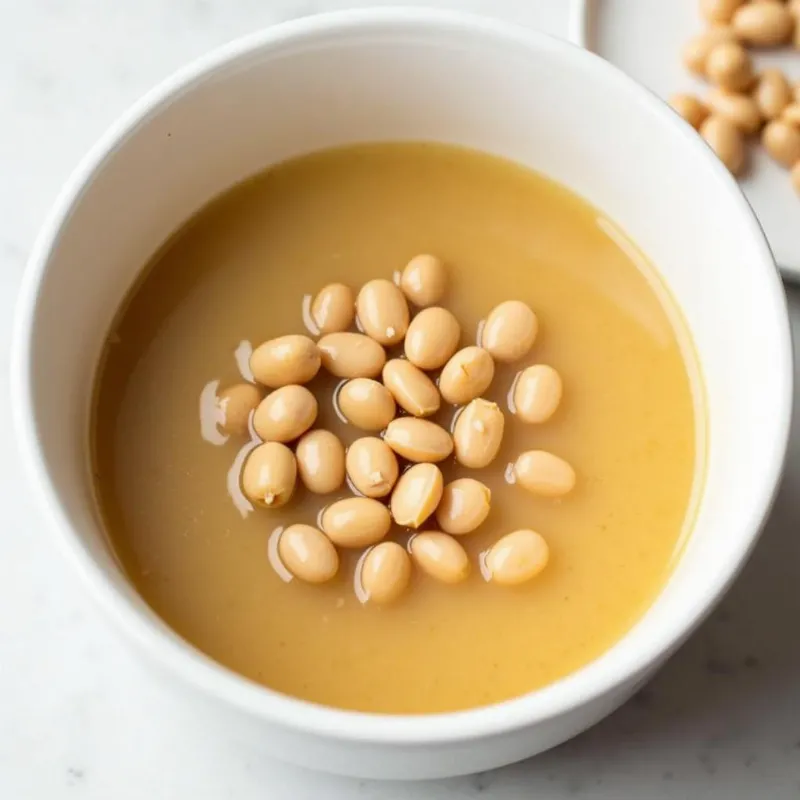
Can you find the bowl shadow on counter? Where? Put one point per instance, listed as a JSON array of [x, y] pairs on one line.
[[732, 692]]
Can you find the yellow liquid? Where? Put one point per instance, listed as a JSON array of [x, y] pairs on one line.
[[239, 271]]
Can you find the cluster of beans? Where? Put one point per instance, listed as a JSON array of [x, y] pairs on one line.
[[742, 103], [371, 391]]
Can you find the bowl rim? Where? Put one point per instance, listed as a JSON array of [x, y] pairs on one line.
[[183, 661]]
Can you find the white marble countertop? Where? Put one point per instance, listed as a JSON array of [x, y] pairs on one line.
[[77, 718]]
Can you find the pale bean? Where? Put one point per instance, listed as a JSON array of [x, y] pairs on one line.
[[478, 433], [795, 177], [729, 66], [308, 554], [782, 142], [320, 461], [467, 375], [695, 51], [693, 110], [372, 466], [464, 506], [772, 93], [285, 414], [385, 573], [333, 309], [269, 475], [726, 141], [356, 522], [517, 557], [382, 311], [413, 390], [537, 393], [440, 556], [764, 24], [544, 474], [432, 338], [351, 355], [791, 115], [416, 495], [739, 109], [418, 439], [424, 280], [285, 360], [236, 404], [510, 331], [719, 10], [367, 404]]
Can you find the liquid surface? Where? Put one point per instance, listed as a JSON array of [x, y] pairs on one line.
[[239, 272]]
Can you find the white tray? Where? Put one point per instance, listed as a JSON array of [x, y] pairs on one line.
[[644, 38]]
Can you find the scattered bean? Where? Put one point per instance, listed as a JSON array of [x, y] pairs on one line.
[[693, 110], [719, 10], [413, 390], [372, 466], [782, 142], [478, 433], [764, 24], [424, 280], [285, 414], [537, 393], [510, 331], [791, 115], [351, 355], [432, 338], [729, 66], [695, 51], [269, 475], [464, 506], [517, 557], [544, 474], [367, 404], [440, 556], [285, 360], [236, 404], [308, 554], [726, 141], [382, 311], [416, 495], [738, 109], [356, 522], [772, 93], [418, 439], [385, 573], [320, 461], [467, 375], [333, 309]]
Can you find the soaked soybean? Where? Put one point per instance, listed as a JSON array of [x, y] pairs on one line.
[[239, 272]]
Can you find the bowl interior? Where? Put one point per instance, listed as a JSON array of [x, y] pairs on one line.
[[522, 96]]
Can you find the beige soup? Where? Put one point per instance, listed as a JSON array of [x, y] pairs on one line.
[[242, 271]]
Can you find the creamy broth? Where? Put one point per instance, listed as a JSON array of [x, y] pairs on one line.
[[242, 271]]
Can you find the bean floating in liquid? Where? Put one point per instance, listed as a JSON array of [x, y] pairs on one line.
[[269, 475], [320, 461], [308, 553], [292, 359], [424, 280], [236, 404], [440, 556]]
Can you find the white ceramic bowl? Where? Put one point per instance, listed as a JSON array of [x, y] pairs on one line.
[[409, 74]]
